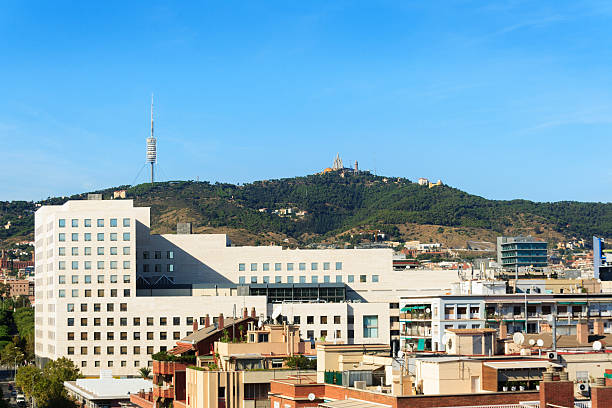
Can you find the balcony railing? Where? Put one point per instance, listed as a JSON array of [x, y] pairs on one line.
[[163, 392]]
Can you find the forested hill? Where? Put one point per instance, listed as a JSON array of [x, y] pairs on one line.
[[329, 206]]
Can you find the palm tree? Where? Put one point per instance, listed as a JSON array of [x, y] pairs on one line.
[[145, 372]]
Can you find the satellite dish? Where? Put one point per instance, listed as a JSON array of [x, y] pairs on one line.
[[259, 323], [518, 338], [540, 342], [311, 397], [531, 342], [597, 346], [428, 310]]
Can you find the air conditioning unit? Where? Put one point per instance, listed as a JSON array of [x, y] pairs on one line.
[[552, 355], [583, 389]]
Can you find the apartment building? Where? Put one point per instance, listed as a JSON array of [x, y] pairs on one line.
[[109, 293], [424, 320]]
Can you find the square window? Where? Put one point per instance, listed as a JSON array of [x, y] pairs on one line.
[[74, 236], [96, 307], [75, 278], [61, 293], [100, 222], [70, 321], [326, 279], [266, 266], [136, 321], [337, 319], [314, 279], [170, 255], [253, 267], [83, 321], [374, 278], [176, 335], [87, 278], [302, 266], [75, 265], [61, 279], [323, 319], [87, 292], [113, 264], [126, 265], [266, 279], [136, 335], [302, 279], [87, 236], [363, 278], [126, 278], [149, 335], [100, 278], [326, 266], [136, 350], [163, 321], [157, 254], [338, 266], [61, 265], [157, 267], [176, 321], [145, 254], [110, 336], [87, 264], [113, 278], [87, 250], [87, 222], [351, 278], [309, 319], [278, 279], [149, 321], [242, 280], [338, 278], [126, 236], [126, 250], [277, 266], [97, 335], [97, 321], [113, 250], [113, 292], [61, 237], [123, 308], [70, 307], [100, 292], [61, 251], [126, 222], [62, 223], [113, 236], [70, 335], [289, 279], [110, 321], [253, 279], [75, 251], [100, 236], [75, 293], [290, 266], [110, 350], [113, 222], [75, 223], [314, 266], [110, 307]]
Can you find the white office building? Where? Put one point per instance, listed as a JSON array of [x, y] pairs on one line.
[[109, 294]]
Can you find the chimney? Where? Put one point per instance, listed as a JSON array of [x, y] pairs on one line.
[[558, 393], [582, 332], [601, 396], [503, 330], [195, 325], [598, 327], [220, 324], [207, 320], [245, 312], [253, 313]]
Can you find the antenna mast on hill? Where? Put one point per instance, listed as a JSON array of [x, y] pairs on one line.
[[152, 147]]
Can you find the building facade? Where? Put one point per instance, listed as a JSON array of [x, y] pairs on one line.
[[518, 252], [109, 293]]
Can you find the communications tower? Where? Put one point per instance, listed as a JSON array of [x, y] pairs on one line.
[[152, 147]]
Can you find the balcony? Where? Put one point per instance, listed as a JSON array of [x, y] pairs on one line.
[[415, 316], [163, 392], [168, 367]]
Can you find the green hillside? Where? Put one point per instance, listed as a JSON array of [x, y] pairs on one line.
[[334, 204]]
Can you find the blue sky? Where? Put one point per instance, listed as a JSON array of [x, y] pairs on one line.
[[504, 100]]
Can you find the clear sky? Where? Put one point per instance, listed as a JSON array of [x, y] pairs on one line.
[[507, 100]]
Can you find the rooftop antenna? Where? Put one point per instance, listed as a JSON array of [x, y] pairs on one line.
[[152, 147]]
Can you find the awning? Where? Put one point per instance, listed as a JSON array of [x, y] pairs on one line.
[[520, 364]]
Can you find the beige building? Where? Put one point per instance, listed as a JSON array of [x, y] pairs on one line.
[[447, 375], [109, 293]]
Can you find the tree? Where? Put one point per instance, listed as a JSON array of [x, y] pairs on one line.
[[47, 386], [145, 372]]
